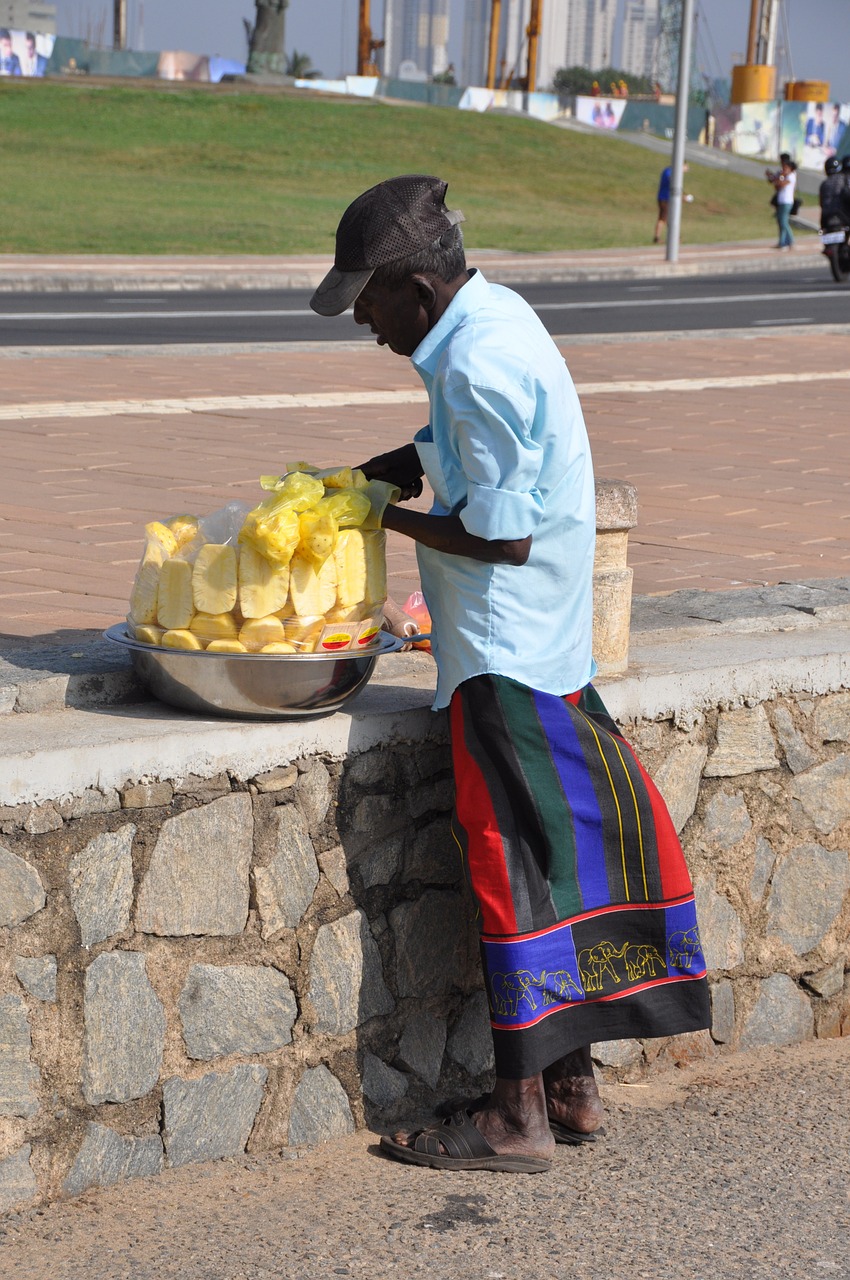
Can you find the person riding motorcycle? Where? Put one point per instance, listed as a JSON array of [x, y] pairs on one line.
[[834, 196]]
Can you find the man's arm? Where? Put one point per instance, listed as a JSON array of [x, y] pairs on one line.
[[400, 467], [447, 534]]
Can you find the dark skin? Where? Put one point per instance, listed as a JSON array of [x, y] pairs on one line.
[[516, 1117]]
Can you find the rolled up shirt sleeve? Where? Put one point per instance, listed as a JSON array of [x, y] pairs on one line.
[[500, 460]]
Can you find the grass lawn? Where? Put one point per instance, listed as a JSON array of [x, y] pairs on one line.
[[105, 169]]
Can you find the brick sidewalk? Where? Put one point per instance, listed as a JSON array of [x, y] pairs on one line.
[[737, 484]]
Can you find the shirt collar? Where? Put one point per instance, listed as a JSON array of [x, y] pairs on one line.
[[467, 300]]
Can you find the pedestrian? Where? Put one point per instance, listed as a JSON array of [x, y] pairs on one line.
[[834, 197], [585, 906], [785, 182], [663, 198]]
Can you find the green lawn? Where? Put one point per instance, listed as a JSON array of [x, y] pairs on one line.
[[105, 169]]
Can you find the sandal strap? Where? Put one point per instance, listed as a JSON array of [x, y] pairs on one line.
[[457, 1136]]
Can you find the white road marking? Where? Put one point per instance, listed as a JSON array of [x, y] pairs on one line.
[[367, 399]]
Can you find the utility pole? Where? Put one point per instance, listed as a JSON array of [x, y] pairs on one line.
[[674, 213], [493, 48], [533, 33], [119, 24]]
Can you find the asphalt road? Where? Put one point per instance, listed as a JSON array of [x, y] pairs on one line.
[[609, 307]]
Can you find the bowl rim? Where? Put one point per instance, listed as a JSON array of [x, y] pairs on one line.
[[384, 643]]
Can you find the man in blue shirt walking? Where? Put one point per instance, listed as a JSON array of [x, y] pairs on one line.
[[663, 198], [585, 906]]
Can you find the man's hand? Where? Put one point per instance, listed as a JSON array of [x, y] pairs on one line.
[[400, 467]]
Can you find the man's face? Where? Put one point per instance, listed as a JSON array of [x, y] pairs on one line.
[[30, 48], [6, 48], [397, 316]]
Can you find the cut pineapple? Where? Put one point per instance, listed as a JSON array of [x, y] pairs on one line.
[[317, 532], [214, 626], [148, 634], [257, 632], [214, 579], [163, 534], [312, 593], [361, 567], [282, 646], [303, 633], [226, 646], [183, 528], [180, 639], [146, 585], [263, 586], [174, 607]]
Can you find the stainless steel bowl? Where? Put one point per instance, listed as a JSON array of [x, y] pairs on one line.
[[251, 685]]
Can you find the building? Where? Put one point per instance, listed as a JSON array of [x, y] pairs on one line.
[[416, 32], [573, 33], [28, 15], [641, 28]]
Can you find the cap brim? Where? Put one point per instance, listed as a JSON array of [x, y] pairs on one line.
[[339, 290]]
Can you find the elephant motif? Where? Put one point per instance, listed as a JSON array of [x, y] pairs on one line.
[[641, 961], [684, 947], [509, 989], [558, 984], [594, 962]]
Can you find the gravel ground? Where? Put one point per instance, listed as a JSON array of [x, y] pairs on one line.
[[735, 1169]]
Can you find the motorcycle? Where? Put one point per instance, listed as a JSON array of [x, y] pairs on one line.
[[836, 246]]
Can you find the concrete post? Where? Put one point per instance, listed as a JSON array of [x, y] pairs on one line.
[[616, 514]]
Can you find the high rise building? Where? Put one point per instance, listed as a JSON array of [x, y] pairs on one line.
[[573, 33], [417, 32], [28, 15], [640, 38]]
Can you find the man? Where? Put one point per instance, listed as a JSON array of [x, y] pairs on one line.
[[663, 198], [10, 64], [585, 907], [834, 197], [34, 63]]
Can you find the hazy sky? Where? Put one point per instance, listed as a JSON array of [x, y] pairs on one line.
[[327, 31]]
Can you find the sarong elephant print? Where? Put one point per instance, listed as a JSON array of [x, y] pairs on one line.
[[684, 947], [511, 989], [594, 963], [642, 961]]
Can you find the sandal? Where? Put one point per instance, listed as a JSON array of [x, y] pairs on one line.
[[562, 1133], [455, 1143]]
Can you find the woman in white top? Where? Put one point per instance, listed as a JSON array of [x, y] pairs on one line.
[[785, 182]]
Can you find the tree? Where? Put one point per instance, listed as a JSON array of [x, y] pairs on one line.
[[571, 82], [265, 41], [300, 66]]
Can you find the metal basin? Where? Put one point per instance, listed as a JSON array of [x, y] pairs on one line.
[[266, 686]]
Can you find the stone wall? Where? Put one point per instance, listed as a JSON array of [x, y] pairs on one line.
[[197, 966]]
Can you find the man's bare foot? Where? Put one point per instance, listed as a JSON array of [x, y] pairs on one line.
[[572, 1097], [513, 1121]]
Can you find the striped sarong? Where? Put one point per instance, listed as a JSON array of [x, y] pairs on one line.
[[585, 906]]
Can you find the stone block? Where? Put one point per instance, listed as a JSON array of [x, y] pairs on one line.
[[745, 744], [824, 793], [762, 868], [616, 1053], [435, 947], [333, 864], [236, 1009], [470, 1044], [377, 816], [320, 1110], [431, 797], [101, 885], [727, 820], [146, 795], [782, 1015], [433, 856], [204, 789], [280, 779], [37, 975], [21, 891], [678, 780], [284, 889], [828, 982], [720, 928], [41, 819], [422, 1045], [382, 1085], [379, 861], [197, 882], [806, 896], [370, 769], [210, 1118], [105, 1158], [832, 718], [124, 1029], [798, 754], [314, 794], [18, 1076], [18, 1186], [347, 985], [722, 1011], [91, 802]]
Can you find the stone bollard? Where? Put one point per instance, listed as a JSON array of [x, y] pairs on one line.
[[616, 513]]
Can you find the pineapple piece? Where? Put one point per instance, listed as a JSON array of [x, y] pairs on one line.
[[342, 478], [214, 626], [350, 507], [148, 634], [272, 529], [226, 646], [257, 632], [282, 646], [317, 533], [361, 567], [178, 638], [183, 528], [312, 592], [303, 633], [345, 614], [146, 584], [156, 529], [174, 607], [263, 586], [214, 583]]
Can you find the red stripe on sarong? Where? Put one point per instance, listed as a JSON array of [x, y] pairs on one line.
[[675, 880], [488, 871]]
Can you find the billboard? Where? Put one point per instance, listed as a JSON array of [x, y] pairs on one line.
[[24, 53], [602, 113]]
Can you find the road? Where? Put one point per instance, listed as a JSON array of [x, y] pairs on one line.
[[695, 305]]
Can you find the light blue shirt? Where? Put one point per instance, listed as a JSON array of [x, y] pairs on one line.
[[506, 449]]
